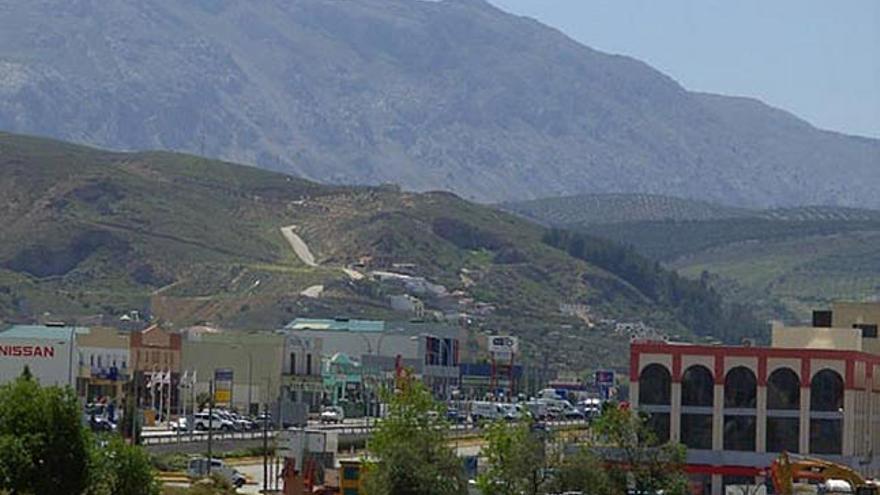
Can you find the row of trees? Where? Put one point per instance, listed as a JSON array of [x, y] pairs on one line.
[[410, 454], [45, 448]]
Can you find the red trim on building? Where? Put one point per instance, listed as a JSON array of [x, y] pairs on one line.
[[850, 378], [724, 470], [805, 372], [719, 368], [633, 364], [676, 351], [676, 367]]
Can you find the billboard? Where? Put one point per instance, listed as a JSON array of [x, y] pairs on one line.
[[604, 377], [223, 386], [49, 360], [503, 347]]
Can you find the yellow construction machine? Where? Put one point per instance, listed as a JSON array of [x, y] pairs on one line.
[[788, 468]]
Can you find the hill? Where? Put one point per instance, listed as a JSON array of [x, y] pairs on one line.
[[189, 239], [454, 95], [785, 261]]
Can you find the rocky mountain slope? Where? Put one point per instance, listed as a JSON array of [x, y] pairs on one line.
[[189, 239], [453, 95]]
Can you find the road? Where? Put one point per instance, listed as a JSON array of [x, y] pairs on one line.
[[299, 246]]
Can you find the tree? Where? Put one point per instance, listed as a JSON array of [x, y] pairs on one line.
[[410, 448], [121, 469], [583, 472], [43, 445], [635, 458], [517, 458]]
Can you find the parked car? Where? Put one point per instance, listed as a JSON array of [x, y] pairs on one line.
[[332, 414], [203, 421], [486, 411], [454, 416], [179, 424], [198, 468]]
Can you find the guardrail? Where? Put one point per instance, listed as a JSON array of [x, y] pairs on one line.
[[166, 438]]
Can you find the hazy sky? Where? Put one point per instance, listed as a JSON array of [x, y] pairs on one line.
[[819, 59]]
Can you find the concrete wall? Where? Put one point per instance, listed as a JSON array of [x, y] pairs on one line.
[[845, 339]]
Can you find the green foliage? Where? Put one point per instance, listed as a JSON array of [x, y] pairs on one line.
[[43, 445], [121, 469], [408, 450], [694, 304], [584, 472], [637, 459], [517, 458]]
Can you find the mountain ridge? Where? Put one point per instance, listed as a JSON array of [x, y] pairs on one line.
[[453, 95]]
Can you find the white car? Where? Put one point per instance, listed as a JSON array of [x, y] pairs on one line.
[[203, 421], [332, 414], [198, 468]]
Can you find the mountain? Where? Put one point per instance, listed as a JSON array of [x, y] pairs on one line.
[[455, 95], [785, 261], [188, 239]]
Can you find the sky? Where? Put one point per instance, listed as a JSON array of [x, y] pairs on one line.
[[819, 59]]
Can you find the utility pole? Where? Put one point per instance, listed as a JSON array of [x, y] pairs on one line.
[[266, 444], [210, 423]]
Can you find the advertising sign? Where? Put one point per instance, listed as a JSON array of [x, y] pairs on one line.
[[223, 386], [49, 361], [503, 348], [605, 377]]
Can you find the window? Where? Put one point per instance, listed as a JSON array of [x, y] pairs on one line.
[[697, 387], [92, 360], [783, 390], [826, 436], [740, 389], [309, 364], [826, 391], [658, 423], [739, 433], [350, 491], [696, 431], [292, 363], [655, 386], [868, 331], [782, 434], [351, 473]]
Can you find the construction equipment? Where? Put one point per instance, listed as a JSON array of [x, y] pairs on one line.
[[787, 468]]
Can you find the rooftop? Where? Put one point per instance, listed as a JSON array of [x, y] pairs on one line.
[[41, 332], [338, 324]]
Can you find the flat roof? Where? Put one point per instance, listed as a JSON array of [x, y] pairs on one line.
[[41, 332], [341, 325]]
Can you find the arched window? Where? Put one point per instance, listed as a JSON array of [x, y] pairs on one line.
[[740, 400], [697, 398], [826, 413], [697, 387], [655, 399], [655, 386], [783, 411], [740, 389], [826, 391], [783, 390]]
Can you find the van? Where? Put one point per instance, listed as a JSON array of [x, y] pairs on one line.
[[486, 411]]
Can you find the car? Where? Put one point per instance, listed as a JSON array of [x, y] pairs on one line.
[[332, 414], [203, 421], [198, 468], [101, 424], [179, 424], [455, 417], [486, 411]]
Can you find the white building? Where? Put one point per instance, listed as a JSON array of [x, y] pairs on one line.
[[49, 352]]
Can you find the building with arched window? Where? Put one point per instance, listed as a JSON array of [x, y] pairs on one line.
[[815, 391]]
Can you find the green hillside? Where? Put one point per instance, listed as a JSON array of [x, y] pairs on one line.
[[189, 239], [784, 261]]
